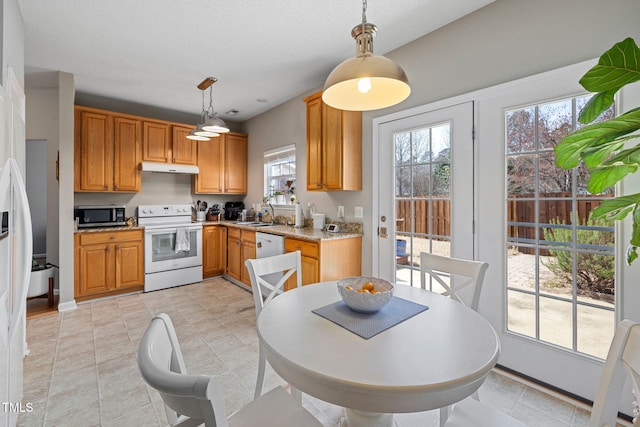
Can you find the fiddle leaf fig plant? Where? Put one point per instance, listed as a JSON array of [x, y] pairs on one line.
[[604, 145]]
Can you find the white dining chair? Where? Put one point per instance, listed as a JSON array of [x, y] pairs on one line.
[[265, 288], [454, 275], [623, 360], [192, 400]]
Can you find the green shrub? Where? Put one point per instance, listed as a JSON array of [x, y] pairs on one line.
[[594, 272]]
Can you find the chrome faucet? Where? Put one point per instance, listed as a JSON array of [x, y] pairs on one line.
[[273, 214]]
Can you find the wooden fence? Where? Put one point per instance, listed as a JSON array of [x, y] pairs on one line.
[[440, 215], [521, 211]]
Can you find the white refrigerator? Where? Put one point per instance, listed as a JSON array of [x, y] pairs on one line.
[[15, 252]]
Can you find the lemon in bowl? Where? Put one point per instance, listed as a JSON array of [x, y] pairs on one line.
[[365, 294]]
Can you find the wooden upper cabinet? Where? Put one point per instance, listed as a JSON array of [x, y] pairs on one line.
[[183, 150], [314, 144], [222, 162], [93, 151], [127, 153], [210, 178], [334, 147], [156, 142], [235, 157], [107, 152]]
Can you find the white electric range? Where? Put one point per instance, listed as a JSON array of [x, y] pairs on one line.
[[172, 246]]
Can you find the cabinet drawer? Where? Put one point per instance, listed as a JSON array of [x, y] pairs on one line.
[[248, 236], [110, 237], [306, 248], [233, 233]]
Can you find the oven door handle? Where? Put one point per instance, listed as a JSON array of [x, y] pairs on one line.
[[170, 229]]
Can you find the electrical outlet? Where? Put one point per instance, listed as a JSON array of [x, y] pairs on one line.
[[340, 211], [358, 212]]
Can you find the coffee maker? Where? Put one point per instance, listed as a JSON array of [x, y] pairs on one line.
[[232, 210]]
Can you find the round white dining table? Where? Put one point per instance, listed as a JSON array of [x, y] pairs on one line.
[[431, 360]]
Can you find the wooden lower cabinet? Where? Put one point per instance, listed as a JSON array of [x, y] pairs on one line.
[[241, 246], [214, 250], [108, 263], [326, 260]]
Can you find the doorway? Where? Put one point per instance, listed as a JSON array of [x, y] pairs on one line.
[[36, 183], [425, 182]]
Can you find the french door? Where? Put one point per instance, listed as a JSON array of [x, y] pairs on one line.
[[425, 190], [511, 207]]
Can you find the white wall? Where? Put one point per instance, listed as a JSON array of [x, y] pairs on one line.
[[503, 41], [36, 184], [49, 112]]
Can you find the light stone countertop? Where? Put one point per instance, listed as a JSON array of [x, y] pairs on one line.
[[103, 229], [306, 233]]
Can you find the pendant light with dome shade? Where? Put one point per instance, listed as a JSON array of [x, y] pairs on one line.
[[213, 123], [198, 133], [368, 81]]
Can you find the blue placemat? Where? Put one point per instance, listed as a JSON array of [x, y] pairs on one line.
[[368, 325]]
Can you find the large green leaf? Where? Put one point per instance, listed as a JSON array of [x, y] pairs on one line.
[[570, 148], [616, 208], [617, 67], [606, 176], [596, 106], [628, 156], [593, 156]]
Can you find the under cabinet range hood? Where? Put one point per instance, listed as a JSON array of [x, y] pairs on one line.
[[169, 168]]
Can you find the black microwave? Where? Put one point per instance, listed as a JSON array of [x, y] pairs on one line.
[[99, 216]]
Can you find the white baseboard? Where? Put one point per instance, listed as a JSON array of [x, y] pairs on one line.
[[67, 306]]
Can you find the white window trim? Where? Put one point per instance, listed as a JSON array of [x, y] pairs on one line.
[[274, 152]]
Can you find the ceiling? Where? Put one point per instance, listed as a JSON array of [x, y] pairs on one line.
[[263, 53]]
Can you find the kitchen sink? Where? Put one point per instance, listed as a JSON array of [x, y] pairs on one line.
[[255, 224]]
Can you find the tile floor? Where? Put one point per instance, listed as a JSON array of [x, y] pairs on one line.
[[82, 371]]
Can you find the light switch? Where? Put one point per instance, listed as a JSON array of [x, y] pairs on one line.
[[358, 212], [340, 211]]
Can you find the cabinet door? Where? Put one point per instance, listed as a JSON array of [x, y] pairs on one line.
[[310, 270], [127, 154], [155, 142], [184, 150], [235, 152], [93, 151], [234, 258], [129, 264], [248, 252], [213, 259], [210, 162], [332, 164], [314, 144], [95, 265], [309, 257]]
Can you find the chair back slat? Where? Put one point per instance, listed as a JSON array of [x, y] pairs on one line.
[[623, 360], [263, 290], [188, 399], [459, 274]]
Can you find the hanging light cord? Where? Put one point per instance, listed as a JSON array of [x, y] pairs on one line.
[[364, 14], [202, 115], [213, 112]]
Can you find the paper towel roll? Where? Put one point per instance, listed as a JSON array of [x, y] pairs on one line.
[[318, 221], [299, 219]]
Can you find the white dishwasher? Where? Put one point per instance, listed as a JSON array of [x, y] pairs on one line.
[[269, 245]]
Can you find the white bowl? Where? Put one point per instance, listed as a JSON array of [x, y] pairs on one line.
[[365, 302]]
